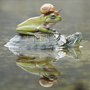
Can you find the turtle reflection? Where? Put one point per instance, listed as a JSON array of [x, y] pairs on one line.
[[69, 52], [40, 66]]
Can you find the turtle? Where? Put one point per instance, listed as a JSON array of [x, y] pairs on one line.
[[24, 42]]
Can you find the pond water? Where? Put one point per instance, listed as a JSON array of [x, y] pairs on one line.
[[72, 66]]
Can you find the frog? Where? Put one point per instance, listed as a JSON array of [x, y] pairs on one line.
[[40, 24]]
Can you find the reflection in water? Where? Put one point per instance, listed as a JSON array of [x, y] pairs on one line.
[[41, 67], [40, 62], [70, 52]]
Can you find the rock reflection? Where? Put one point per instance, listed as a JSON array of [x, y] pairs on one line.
[[40, 66]]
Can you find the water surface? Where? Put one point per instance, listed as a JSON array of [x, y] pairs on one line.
[[75, 73]]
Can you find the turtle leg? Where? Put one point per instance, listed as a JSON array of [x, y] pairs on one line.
[[58, 38]]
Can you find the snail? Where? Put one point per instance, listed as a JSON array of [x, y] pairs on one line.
[[47, 8]]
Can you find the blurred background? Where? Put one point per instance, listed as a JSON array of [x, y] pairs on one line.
[[75, 18]]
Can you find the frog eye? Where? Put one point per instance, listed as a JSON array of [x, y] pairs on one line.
[[53, 16], [51, 77]]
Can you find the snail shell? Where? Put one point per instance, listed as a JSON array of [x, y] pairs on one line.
[[47, 8]]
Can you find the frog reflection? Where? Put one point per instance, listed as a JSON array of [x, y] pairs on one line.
[[40, 66]]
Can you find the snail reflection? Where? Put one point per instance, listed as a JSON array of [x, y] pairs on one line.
[[40, 66]]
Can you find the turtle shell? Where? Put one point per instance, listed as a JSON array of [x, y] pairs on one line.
[[25, 42], [19, 44]]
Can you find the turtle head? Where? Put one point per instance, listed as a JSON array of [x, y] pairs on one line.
[[74, 39]]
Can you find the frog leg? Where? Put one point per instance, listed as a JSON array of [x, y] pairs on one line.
[[54, 30], [30, 33], [44, 30], [31, 30], [28, 30]]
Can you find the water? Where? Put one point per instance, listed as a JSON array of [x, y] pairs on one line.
[[73, 69]]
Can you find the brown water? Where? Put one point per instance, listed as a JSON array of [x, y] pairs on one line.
[[75, 73]]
